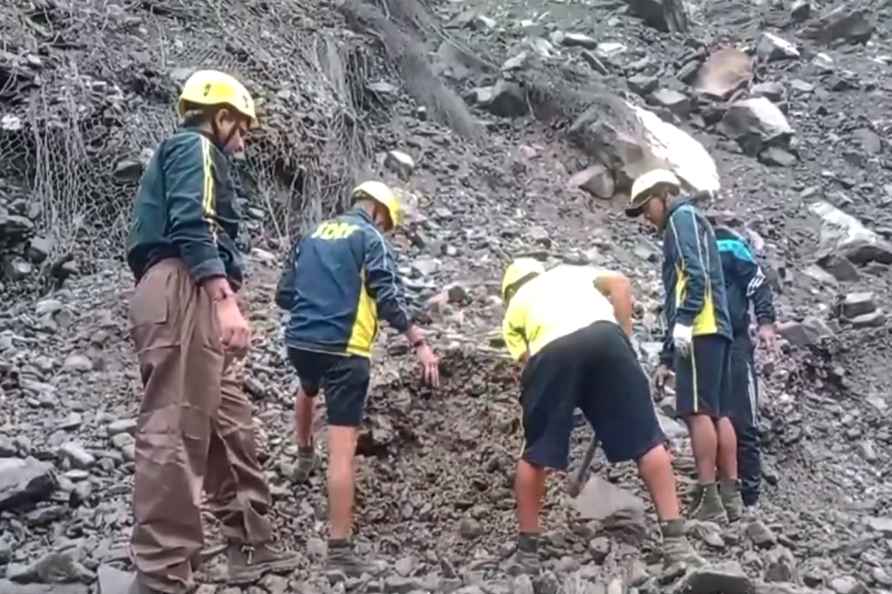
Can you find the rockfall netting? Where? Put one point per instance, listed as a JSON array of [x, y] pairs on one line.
[[87, 90]]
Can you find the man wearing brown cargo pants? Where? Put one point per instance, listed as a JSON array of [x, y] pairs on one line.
[[195, 427]]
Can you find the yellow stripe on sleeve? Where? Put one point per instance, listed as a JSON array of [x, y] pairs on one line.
[[208, 203]]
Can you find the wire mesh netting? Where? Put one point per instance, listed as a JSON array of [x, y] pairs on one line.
[[87, 90]]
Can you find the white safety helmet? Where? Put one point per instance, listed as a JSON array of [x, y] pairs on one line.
[[644, 184]]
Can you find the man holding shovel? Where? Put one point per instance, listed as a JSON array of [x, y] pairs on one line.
[[570, 326]]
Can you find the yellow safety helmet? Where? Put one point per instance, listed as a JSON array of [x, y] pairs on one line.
[[518, 270], [212, 87], [383, 195], [641, 188]]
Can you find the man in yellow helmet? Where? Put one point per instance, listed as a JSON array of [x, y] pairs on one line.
[[571, 326], [341, 279], [195, 427]]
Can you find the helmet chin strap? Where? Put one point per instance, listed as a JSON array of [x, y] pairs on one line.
[[385, 214], [377, 211], [215, 129], [230, 136]]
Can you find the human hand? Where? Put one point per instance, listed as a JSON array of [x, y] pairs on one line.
[[235, 333], [430, 365], [768, 337]]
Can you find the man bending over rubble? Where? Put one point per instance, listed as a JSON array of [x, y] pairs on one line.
[[745, 283], [195, 426], [570, 326], [697, 342], [341, 279]]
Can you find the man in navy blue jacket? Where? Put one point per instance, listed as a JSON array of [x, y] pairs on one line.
[[745, 283], [195, 428], [341, 280], [698, 339]]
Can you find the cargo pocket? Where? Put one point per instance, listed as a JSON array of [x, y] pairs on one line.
[[152, 323]]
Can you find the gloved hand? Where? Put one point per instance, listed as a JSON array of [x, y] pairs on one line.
[[682, 337]]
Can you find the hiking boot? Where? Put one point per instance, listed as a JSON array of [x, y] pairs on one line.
[[676, 547], [342, 559], [708, 505], [306, 463], [526, 557], [731, 499], [248, 563]]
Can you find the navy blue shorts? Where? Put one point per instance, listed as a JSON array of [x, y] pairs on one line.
[[702, 380], [596, 370], [344, 379]]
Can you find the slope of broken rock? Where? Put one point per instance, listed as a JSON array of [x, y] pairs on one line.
[[434, 496]]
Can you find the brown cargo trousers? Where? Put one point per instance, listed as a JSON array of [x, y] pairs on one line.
[[194, 431]]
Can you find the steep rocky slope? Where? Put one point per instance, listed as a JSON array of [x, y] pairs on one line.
[[495, 148]]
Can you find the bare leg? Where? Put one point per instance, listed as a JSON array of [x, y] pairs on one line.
[[704, 441], [529, 490], [655, 468], [341, 448], [727, 449]]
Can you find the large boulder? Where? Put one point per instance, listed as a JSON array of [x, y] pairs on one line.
[[756, 123], [505, 99], [724, 578], [772, 47], [631, 140], [596, 180], [24, 481], [665, 15], [858, 304], [724, 72], [849, 22], [844, 235]]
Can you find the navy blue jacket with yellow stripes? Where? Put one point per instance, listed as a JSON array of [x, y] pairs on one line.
[[341, 279], [744, 282], [692, 277], [186, 208]]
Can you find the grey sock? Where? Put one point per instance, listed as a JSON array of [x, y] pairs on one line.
[[528, 542], [672, 528]]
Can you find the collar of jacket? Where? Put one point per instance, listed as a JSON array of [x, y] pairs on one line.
[[204, 133], [725, 232], [361, 213], [674, 205]]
